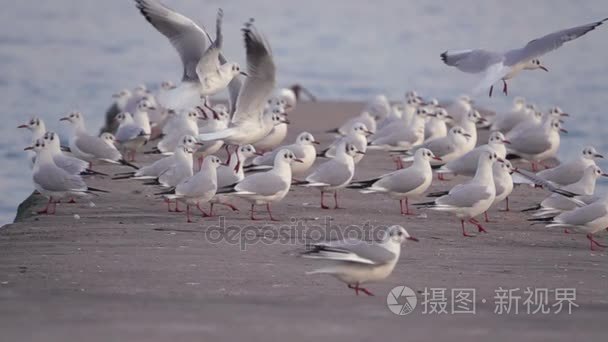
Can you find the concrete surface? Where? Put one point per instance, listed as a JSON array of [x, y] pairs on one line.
[[127, 270]]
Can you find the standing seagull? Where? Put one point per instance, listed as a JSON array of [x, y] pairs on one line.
[[472, 198], [356, 262], [404, 183], [498, 66], [203, 75]]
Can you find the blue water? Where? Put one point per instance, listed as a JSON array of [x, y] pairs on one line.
[[60, 55]]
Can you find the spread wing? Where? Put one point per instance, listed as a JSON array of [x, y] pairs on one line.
[[185, 36], [471, 61], [210, 59], [261, 76], [548, 43]]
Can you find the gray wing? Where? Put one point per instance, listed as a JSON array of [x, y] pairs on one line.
[[440, 147], [210, 59], [545, 183], [261, 79], [97, 147], [548, 43], [128, 132], [465, 196], [331, 173], [352, 250], [471, 61], [402, 180], [70, 164], [265, 184], [529, 143], [583, 215], [185, 36], [52, 178]]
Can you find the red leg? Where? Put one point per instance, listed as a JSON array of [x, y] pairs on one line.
[[211, 210], [168, 201], [440, 177], [270, 212], [534, 168], [336, 206], [72, 200], [177, 210], [323, 206], [464, 232], [366, 291], [46, 209], [228, 153], [593, 242], [504, 87], [491, 88], [485, 215], [204, 214], [188, 213], [200, 161], [507, 201], [401, 207], [566, 231], [480, 228], [356, 288], [252, 216]]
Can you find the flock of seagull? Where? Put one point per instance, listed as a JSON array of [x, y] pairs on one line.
[[421, 136]]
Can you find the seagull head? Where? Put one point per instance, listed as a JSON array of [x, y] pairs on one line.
[[425, 154], [306, 138], [589, 152], [498, 138], [398, 234], [535, 64], [33, 125]]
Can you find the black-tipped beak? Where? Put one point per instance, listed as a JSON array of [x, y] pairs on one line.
[[258, 153], [449, 116], [23, 126], [561, 121], [467, 135], [604, 174], [64, 119], [501, 160], [244, 74], [505, 141], [597, 155], [437, 158], [544, 68], [564, 114], [361, 152], [28, 148], [318, 143], [285, 121], [368, 132], [482, 119], [411, 238], [563, 130], [298, 160], [152, 108], [199, 144]]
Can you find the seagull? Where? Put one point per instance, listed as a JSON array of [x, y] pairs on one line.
[[157, 168], [248, 123], [459, 108], [265, 187], [466, 165], [54, 182], [202, 73], [130, 135], [232, 173], [448, 148], [400, 135], [537, 120], [89, 147], [584, 188], [357, 136], [505, 121], [365, 118], [357, 262], [71, 165], [36, 126], [469, 123], [536, 144], [435, 126], [217, 122], [572, 170], [591, 218], [184, 123], [503, 182], [197, 189], [472, 198], [498, 66], [277, 134], [404, 183], [303, 148], [335, 173]]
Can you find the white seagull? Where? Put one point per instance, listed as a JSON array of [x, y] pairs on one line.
[[356, 262], [498, 66]]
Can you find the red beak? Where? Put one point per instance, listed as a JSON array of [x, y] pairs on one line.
[[23, 126], [563, 130], [28, 148], [411, 238], [437, 158], [298, 160], [506, 142], [315, 142]]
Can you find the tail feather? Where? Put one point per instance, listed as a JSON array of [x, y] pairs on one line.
[[170, 191], [425, 204], [536, 207], [89, 172], [90, 189], [362, 184], [437, 194], [126, 163]]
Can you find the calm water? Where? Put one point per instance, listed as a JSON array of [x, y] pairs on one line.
[[60, 55]]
